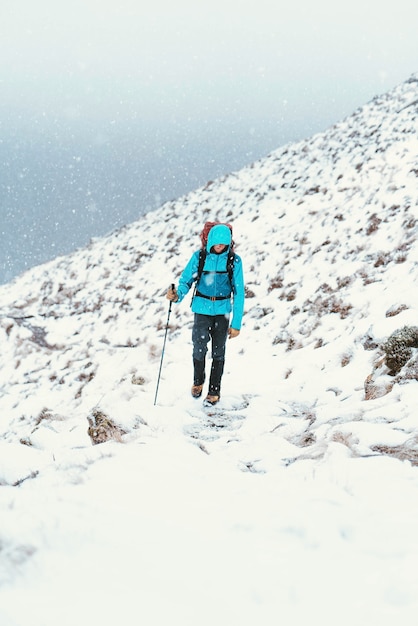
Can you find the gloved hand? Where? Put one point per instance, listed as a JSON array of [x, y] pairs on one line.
[[233, 332], [172, 294]]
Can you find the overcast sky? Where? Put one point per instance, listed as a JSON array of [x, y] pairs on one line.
[[108, 109]]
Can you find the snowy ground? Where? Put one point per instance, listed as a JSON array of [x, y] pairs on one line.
[[188, 522], [286, 504]]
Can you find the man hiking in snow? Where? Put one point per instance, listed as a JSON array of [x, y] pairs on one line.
[[219, 290]]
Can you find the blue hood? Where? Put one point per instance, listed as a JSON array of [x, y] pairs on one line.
[[219, 234]]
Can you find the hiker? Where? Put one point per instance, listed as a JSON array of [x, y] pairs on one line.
[[219, 291]]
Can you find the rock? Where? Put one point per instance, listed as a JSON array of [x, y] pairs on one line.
[[102, 428]]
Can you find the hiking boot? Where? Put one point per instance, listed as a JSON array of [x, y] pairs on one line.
[[197, 391], [211, 400]]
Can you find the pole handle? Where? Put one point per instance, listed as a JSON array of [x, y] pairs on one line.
[[172, 289]]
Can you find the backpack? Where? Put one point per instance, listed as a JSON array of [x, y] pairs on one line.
[[202, 252]]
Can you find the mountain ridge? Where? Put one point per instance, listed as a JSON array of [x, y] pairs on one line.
[[343, 197]]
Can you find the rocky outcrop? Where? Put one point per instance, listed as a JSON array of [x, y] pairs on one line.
[[398, 364]]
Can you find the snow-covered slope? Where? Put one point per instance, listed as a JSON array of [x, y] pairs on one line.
[[327, 229]]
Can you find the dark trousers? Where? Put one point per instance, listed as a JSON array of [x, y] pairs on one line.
[[208, 328]]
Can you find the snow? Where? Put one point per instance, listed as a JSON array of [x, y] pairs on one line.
[[289, 503]]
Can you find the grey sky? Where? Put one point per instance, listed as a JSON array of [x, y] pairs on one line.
[[100, 59], [109, 108]]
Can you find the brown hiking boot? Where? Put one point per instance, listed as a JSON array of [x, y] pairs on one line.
[[197, 391], [211, 400]]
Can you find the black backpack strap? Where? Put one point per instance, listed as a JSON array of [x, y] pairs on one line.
[[201, 264], [202, 258], [230, 265]]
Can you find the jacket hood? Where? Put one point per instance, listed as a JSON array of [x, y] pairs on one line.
[[219, 234]]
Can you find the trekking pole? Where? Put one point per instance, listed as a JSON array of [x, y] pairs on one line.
[[162, 353]]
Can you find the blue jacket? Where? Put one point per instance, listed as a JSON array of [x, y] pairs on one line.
[[214, 281]]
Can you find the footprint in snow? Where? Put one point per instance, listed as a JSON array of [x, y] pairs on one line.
[[226, 416]]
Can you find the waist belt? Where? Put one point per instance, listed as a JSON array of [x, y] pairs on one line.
[[213, 298]]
